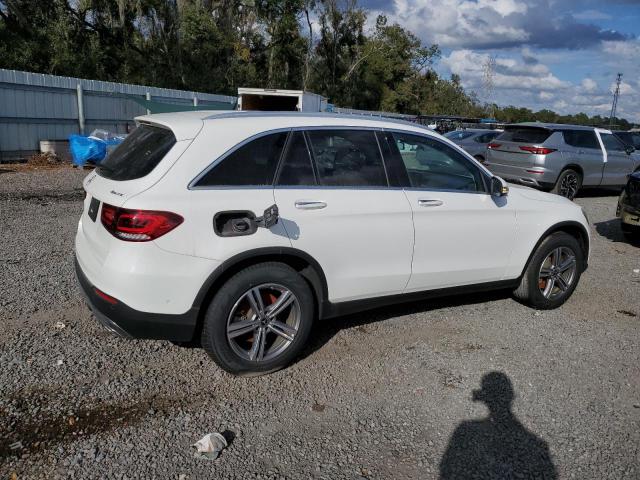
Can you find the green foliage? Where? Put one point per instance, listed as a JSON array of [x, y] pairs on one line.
[[220, 45]]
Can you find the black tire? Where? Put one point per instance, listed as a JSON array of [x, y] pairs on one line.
[[529, 291], [568, 184], [214, 334]]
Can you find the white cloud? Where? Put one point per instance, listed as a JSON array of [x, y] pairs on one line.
[[521, 79], [590, 15], [589, 85]]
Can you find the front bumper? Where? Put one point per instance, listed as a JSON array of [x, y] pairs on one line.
[[127, 322]]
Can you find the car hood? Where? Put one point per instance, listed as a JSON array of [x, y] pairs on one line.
[[533, 194]]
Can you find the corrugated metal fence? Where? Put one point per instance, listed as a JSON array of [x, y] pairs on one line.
[[36, 107]]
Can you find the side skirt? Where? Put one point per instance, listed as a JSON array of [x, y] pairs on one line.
[[332, 310]]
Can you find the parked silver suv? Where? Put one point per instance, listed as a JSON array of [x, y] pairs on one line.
[[561, 158]]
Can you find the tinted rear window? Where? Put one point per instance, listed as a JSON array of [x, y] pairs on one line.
[[581, 138], [253, 163], [525, 135], [139, 154]]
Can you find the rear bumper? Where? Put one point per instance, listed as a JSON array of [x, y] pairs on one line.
[[127, 322], [523, 175]]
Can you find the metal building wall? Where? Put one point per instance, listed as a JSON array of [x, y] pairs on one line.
[[36, 107]]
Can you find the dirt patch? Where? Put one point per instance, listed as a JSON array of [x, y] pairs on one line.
[[27, 427]]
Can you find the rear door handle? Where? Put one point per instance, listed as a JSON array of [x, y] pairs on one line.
[[430, 202], [310, 204]]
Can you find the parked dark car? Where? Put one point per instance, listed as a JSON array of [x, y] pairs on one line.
[[631, 139], [629, 206], [473, 140]]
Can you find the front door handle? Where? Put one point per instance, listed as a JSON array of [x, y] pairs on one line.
[[430, 203], [310, 204]]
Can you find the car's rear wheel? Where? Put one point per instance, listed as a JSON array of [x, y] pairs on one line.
[[553, 272], [259, 320], [568, 184]]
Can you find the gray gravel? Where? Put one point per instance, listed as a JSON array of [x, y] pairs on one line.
[[376, 395]]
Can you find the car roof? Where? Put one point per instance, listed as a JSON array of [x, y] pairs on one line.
[[476, 130], [186, 125], [552, 126]]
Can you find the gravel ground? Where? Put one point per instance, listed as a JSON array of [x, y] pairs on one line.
[[384, 394]]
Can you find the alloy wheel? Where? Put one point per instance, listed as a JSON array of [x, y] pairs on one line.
[[263, 322], [569, 185], [557, 272]]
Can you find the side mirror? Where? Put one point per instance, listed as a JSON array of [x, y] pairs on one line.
[[499, 187], [629, 149]]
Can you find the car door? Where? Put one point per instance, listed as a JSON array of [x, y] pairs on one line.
[[463, 234], [336, 205], [619, 163], [583, 148]]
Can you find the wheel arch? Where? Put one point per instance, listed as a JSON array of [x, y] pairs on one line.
[[300, 261], [572, 166], [573, 228]]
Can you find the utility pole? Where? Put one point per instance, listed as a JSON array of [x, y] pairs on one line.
[[616, 94], [488, 74]]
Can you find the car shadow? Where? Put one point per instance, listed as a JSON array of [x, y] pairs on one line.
[[599, 192], [611, 230], [324, 330], [498, 446]]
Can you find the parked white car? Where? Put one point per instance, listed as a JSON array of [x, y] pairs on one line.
[[240, 229]]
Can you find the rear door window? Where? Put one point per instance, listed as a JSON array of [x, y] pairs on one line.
[[138, 154], [531, 135], [254, 163], [347, 158], [581, 138]]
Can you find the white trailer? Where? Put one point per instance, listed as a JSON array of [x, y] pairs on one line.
[[271, 99]]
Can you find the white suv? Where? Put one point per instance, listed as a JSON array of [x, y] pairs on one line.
[[239, 229]]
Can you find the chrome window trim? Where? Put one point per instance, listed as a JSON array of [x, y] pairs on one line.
[[193, 183]]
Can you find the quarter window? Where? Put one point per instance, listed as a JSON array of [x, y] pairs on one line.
[[296, 166], [252, 164], [347, 158], [581, 138], [433, 165], [611, 143]]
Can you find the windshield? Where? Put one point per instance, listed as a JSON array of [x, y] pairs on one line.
[[139, 154]]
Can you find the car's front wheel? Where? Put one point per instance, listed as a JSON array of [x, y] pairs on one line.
[[259, 320], [553, 272]]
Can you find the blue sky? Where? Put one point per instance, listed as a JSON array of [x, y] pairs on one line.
[[556, 54]]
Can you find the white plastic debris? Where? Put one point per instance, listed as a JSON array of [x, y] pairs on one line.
[[210, 446], [59, 362], [59, 325], [636, 270]]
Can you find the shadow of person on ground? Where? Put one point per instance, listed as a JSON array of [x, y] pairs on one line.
[[499, 446]]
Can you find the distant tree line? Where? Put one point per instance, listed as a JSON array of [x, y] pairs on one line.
[[219, 45]]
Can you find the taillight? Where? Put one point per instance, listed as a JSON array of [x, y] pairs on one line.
[[137, 225], [494, 145], [538, 150]]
